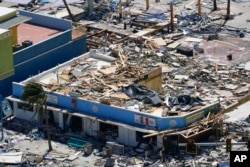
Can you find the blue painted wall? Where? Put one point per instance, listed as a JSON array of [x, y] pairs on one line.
[[38, 49], [112, 113], [44, 55], [29, 63]]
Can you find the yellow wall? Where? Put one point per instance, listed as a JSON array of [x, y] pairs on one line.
[[6, 57], [152, 80], [14, 34]]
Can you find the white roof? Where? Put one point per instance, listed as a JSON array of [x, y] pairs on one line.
[[3, 30], [239, 114], [4, 11]]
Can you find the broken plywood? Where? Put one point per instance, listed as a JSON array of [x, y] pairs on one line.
[[108, 71], [119, 96], [11, 158]]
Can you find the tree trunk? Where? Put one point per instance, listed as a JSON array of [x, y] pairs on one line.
[[47, 127]]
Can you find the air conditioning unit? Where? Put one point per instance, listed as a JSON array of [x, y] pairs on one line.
[[87, 149]]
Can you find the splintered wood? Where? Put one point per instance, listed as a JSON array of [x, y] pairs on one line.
[[103, 83]]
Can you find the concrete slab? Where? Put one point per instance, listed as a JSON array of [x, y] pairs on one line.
[[239, 114], [20, 2]]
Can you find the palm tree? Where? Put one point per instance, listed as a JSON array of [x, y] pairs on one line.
[[34, 95]]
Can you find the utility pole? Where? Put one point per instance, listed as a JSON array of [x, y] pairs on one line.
[[147, 4], [228, 10], [199, 7], [171, 16], [215, 5], [120, 10], [127, 3]]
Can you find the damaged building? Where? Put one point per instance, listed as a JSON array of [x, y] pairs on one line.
[[98, 94]]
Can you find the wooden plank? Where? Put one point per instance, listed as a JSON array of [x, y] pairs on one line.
[[155, 73], [115, 88], [119, 95], [142, 33], [159, 41], [108, 71], [102, 31]]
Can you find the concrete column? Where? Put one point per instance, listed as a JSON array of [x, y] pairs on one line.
[[60, 120], [123, 135], [91, 127], [90, 6], [132, 138], [69, 119], [159, 141], [83, 124]]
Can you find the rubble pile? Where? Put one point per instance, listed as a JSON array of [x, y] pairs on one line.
[[181, 75], [35, 151]]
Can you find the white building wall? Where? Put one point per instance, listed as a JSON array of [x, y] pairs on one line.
[[123, 135], [60, 120], [126, 136], [24, 114], [132, 138], [91, 127], [56, 117], [159, 141]]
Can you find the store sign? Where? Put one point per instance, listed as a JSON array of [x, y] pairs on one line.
[[145, 120]]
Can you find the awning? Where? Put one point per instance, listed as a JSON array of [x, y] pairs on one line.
[[70, 112]]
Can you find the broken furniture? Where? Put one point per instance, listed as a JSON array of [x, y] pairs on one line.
[[81, 144]]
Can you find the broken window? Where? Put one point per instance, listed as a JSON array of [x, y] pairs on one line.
[[148, 140], [109, 130]]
